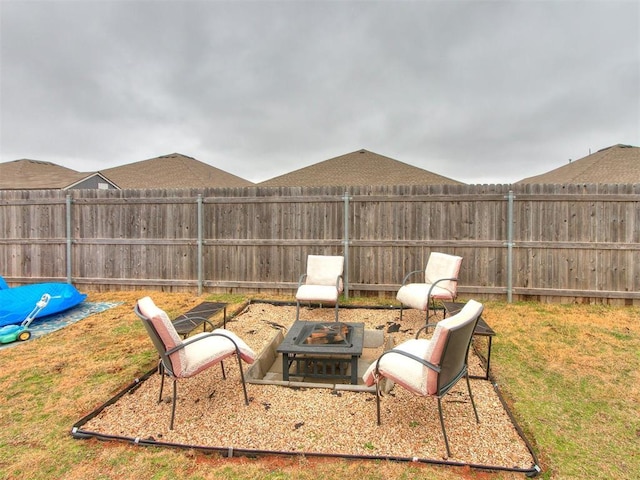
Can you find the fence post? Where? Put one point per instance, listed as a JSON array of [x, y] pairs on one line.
[[345, 242], [68, 206], [200, 259], [509, 244]]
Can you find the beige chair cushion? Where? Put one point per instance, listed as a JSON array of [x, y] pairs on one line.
[[324, 270], [442, 265], [416, 295], [318, 293], [439, 339], [402, 370], [208, 349], [246, 353], [162, 324]]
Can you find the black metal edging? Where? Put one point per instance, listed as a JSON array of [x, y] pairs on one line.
[[78, 433], [535, 470], [289, 303], [129, 389]]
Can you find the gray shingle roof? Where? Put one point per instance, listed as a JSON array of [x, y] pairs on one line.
[[172, 171], [28, 174], [359, 168], [615, 164]]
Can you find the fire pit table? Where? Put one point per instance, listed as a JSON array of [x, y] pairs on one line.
[[322, 350]]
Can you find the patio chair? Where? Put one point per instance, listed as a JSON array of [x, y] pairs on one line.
[[429, 367], [440, 283], [322, 283], [186, 358]]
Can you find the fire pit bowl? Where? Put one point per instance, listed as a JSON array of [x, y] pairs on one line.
[[333, 333]]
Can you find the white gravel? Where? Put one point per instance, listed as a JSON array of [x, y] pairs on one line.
[[312, 420]]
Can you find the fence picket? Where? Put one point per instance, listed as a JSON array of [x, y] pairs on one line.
[[570, 241]]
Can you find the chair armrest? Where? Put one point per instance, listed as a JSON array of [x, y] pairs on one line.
[[406, 277], [442, 280], [339, 280], [301, 279], [202, 337], [422, 361], [425, 327]]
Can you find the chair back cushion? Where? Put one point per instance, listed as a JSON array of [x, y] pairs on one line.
[[442, 265], [449, 346], [165, 333], [324, 270]]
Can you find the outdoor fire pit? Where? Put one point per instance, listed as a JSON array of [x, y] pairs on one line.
[[334, 333], [328, 350]]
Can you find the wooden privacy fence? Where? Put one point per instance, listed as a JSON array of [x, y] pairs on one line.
[[545, 242]]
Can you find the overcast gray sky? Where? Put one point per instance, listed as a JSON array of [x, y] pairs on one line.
[[478, 91]]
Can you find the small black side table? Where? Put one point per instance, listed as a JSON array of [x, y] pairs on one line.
[[482, 330], [197, 316]]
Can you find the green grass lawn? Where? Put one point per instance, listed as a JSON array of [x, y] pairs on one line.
[[570, 374]]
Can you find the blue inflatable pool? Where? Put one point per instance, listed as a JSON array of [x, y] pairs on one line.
[[17, 302]]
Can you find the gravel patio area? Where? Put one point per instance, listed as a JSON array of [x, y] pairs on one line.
[[319, 420]]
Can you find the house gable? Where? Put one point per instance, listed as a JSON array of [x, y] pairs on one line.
[[362, 168], [615, 164], [28, 174], [171, 171]]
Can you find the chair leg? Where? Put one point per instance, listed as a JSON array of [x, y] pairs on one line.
[[173, 403], [244, 385], [473, 404], [401, 312], [378, 401], [297, 310], [175, 389], [426, 320], [161, 372], [444, 432], [336, 311]]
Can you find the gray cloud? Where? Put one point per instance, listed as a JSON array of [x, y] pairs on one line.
[[483, 92]]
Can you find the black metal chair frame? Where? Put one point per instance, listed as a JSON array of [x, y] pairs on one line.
[[449, 372], [165, 367]]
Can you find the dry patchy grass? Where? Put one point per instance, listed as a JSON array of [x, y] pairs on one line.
[[569, 372], [572, 374]]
